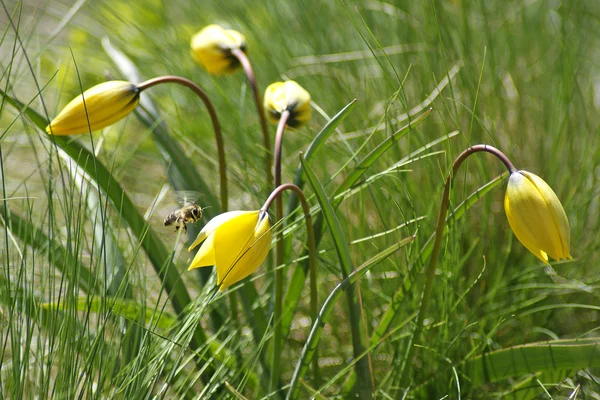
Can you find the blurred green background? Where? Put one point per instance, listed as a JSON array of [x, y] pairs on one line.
[[525, 77]]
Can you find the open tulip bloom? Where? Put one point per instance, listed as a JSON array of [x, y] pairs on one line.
[[536, 216], [97, 108], [235, 242]]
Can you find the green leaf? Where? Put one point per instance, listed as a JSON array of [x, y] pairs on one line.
[[104, 233], [573, 354], [357, 324], [296, 285], [313, 149], [299, 277]]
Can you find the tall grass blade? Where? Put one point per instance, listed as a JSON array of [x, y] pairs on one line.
[[357, 323], [28, 233], [157, 253], [294, 289], [317, 327]]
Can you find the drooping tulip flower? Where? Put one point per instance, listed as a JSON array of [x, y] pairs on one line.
[[537, 217], [212, 46], [101, 106], [235, 242], [288, 95]]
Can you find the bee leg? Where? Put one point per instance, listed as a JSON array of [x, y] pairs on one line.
[[176, 228], [184, 228]]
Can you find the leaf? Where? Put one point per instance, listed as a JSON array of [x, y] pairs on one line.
[[574, 354], [357, 324], [313, 149], [104, 233], [294, 289]]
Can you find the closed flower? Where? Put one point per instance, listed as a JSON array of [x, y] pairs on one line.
[[97, 108], [235, 242], [537, 217], [212, 46], [290, 96]]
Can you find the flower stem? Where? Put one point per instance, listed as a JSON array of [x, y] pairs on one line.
[[214, 119], [245, 61], [439, 233], [312, 265], [279, 255]]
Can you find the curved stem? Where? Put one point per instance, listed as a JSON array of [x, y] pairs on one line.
[[312, 264], [214, 119], [245, 61], [437, 244], [279, 254]]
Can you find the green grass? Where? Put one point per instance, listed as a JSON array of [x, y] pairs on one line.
[[95, 297]]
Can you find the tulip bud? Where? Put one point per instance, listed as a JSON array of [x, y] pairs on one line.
[[235, 242], [104, 105], [212, 46], [288, 95], [536, 216]]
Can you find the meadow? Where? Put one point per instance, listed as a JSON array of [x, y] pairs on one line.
[[365, 291]]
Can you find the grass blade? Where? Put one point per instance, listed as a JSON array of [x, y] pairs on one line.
[[294, 289], [157, 253], [387, 318], [28, 233], [357, 324], [314, 148], [376, 153], [317, 328]]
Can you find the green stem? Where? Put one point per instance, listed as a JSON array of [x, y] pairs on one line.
[[214, 119], [437, 244], [312, 259], [279, 255], [245, 61]]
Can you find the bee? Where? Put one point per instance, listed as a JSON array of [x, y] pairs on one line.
[[190, 212]]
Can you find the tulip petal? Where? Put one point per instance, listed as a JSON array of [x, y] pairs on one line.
[[104, 105], [558, 216], [232, 239], [534, 216], [288, 95], [211, 47], [213, 225], [254, 253], [205, 257]]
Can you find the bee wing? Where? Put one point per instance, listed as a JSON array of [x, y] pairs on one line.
[[187, 197]]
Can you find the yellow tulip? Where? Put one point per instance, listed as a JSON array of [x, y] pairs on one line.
[[536, 216], [288, 95], [212, 46], [235, 242], [105, 104]]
